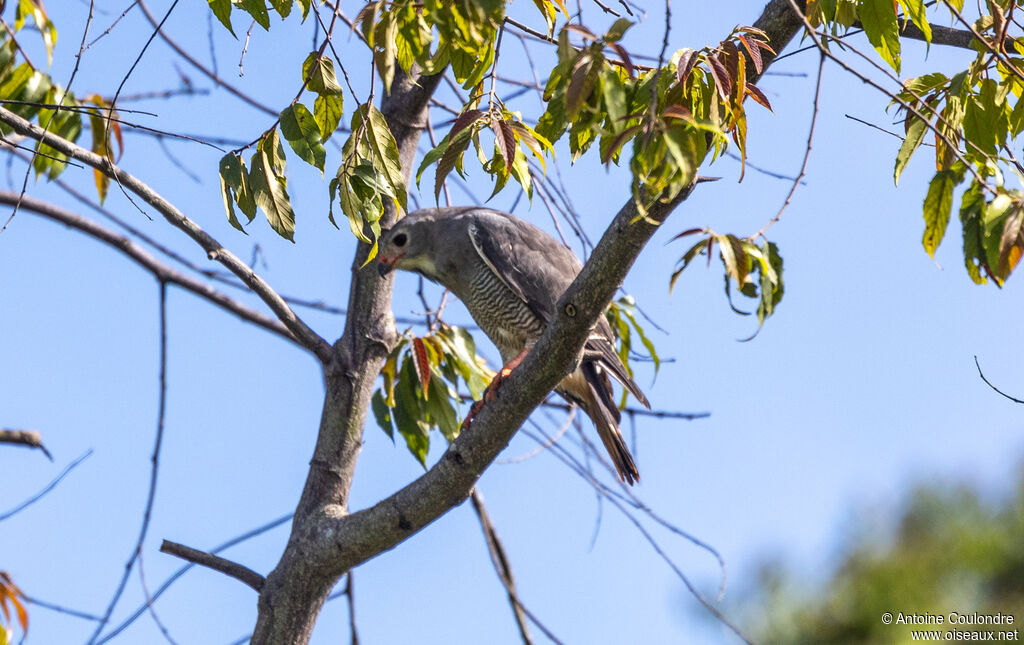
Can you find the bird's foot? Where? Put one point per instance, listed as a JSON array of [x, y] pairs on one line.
[[491, 392]]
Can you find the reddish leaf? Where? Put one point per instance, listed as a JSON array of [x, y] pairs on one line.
[[506, 140], [721, 76], [678, 112], [581, 83], [755, 93], [730, 57], [456, 146], [464, 120], [689, 231], [618, 142], [686, 62], [115, 127], [624, 57], [753, 51], [422, 363]]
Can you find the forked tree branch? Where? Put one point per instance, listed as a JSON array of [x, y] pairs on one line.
[[302, 332], [326, 539]]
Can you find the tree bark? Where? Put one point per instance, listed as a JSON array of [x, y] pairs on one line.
[[295, 591]]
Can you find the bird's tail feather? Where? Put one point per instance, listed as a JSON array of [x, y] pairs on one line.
[[602, 410]]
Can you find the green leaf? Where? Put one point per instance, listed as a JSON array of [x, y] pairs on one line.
[[269, 189], [613, 91], [302, 132], [916, 130], [327, 111], [408, 414], [382, 413], [258, 10], [231, 170], [938, 204], [616, 31], [878, 18], [972, 204], [648, 345], [461, 350], [222, 10], [772, 286], [320, 72], [918, 14], [442, 413], [66, 124], [282, 7], [385, 151]]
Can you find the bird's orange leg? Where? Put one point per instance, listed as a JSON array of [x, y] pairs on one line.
[[492, 389]]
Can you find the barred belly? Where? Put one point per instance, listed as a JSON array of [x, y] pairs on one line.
[[501, 314]]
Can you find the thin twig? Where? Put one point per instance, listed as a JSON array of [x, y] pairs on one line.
[[46, 489], [227, 567], [351, 601], [499, 558], [154, 466], [149, 604], [211, 74], [245, 48], [982, 375], [807, 154], [61, 609], [185, 569]]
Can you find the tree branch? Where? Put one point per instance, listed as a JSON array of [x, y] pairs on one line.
[[501, 565], [327, 541], [227, 567], [214, 250], [29, 438], [159, 270], [988, 383], [297, 587]]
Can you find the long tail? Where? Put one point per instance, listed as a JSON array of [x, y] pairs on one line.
[[600, 407]]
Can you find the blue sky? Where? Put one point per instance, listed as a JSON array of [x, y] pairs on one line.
[[863, 382]]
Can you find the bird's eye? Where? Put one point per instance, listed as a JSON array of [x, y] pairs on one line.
[[400, 240]]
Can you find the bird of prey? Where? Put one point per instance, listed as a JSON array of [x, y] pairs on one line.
[[510, 274]]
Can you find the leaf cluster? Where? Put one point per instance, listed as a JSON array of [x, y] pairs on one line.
[[33, 95], [420, 386], [970, 119], [755, 270]]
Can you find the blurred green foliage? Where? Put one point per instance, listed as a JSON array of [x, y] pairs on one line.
[[951, 549]]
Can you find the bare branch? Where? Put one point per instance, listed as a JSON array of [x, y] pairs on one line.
[[35, 498], [28, 438], [159, 270], [807, 154], [215, 562], [147, 513], [202, 68], [982, 375], [214, 250], [259, 530], [501, 564]]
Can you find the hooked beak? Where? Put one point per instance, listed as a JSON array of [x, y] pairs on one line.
[[383, 268]]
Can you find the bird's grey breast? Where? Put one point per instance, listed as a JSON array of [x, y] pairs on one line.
[[500, 312]]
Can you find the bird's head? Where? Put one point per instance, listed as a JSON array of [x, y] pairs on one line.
[[408, 245]]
